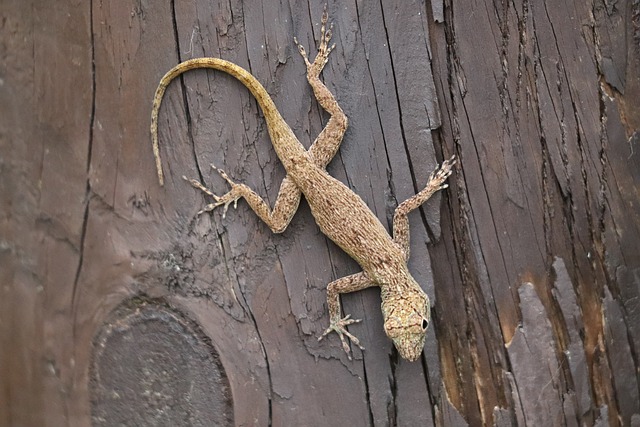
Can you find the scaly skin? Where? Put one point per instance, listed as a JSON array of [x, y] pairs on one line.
[[340, 213]]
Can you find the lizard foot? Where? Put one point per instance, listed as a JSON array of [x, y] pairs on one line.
[[440, 175], [230, 197], [314, 69], [338, 326]]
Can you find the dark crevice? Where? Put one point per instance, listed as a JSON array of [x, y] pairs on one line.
[[432, 397], [87, 197], [456, 81], [367, 394], [183, 87], [392, 408], [495, 228], [456, 112], [382, 130], [603, 201], [460, 241], [547, 169], [580, 146], [507, 102], [264, 350], [233, 278], [394, 78], [567, 196], [564, 192]]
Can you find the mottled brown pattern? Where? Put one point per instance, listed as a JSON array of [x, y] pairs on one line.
[[340, 213]]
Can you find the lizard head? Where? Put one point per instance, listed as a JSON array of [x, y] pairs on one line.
[[406, 319]]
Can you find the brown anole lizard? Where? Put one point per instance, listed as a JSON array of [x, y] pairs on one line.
[[339, 212]]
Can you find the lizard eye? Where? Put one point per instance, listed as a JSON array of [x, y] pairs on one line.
[[425, 324]]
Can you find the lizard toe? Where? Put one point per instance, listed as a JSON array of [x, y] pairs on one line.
[[339, 328]]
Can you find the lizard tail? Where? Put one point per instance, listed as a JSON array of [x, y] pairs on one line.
[[264, 100]]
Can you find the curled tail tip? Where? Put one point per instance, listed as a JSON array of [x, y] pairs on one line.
[[159, 171], [160, 176], [156, 152]]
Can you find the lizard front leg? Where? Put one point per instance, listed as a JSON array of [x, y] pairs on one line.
[[352, 283], [327, 143], [400, 220], [277, 219]]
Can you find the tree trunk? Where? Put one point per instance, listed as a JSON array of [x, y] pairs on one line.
[[120, 305]]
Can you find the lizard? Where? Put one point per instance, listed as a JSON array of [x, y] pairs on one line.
[[339, 212]]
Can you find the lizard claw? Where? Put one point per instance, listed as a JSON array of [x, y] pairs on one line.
[[225, 200], [338, 326], [314, 69], [231, 197], [441, 174]]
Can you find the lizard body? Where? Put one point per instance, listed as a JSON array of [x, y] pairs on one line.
[[340, 213]]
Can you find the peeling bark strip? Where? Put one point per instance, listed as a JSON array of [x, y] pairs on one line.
[[540, 260], [535, 366]]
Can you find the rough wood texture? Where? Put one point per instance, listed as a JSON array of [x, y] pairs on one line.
[[533, 266]]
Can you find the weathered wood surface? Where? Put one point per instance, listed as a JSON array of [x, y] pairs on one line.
[[532, 257]]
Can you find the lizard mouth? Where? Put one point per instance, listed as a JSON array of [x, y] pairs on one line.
[[410, 353], [412, 357]]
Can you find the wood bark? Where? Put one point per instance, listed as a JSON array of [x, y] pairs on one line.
[[118, 304]]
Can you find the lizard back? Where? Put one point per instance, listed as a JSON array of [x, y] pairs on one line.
[[344, 218]]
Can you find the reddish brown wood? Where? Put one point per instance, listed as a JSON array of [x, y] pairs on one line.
[[531, 258]]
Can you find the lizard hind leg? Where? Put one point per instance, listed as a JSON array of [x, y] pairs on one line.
[[230, 197], [277, 219], [326, 145]]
